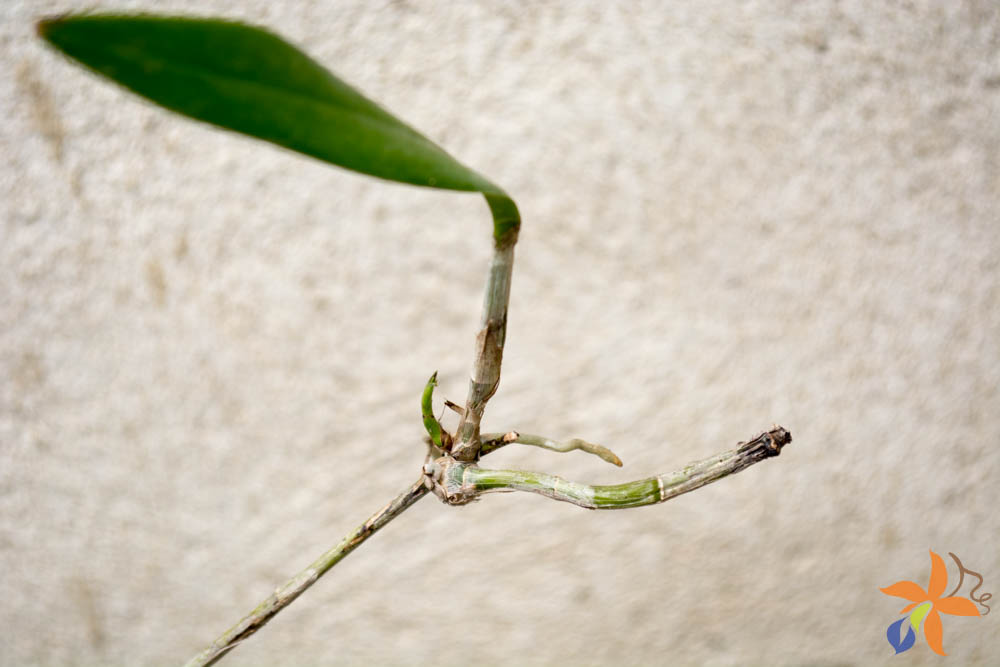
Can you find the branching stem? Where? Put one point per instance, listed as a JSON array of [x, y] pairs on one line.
[[459, 483], [456, 477], [482, 385]]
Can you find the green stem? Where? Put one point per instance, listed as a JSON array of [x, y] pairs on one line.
[[463, 482]]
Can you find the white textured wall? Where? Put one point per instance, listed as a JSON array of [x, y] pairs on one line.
[[212, 350]]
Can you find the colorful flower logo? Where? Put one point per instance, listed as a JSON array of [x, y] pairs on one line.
[[926, 606]]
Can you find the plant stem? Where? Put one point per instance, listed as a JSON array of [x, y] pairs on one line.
[[493, 328], [489, 354], [295, 586], [482, 385], [494, 441], [464, 482]]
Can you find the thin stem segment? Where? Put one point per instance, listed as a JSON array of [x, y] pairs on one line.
[[298, 584], [494, 441], [460, 483], [493, 328]]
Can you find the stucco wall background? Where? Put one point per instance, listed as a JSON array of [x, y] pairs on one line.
[[211, 350]]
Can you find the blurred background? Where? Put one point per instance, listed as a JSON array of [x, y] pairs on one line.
[[735, 215]]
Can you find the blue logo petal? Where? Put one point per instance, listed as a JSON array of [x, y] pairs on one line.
[[898, 643]]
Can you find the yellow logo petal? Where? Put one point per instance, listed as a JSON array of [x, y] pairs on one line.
[[919, 614]]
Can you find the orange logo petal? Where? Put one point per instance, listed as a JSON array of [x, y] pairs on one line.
[[939, 577], [934, 632], [957, 606], [907, 590]]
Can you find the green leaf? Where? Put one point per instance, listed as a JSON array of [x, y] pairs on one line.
[[250, 80], [431, 423]]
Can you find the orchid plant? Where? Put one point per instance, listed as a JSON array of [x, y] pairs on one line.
[[251, 81]]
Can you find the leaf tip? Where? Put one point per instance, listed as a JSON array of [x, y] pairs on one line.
[[43, 26], [47, 26]]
